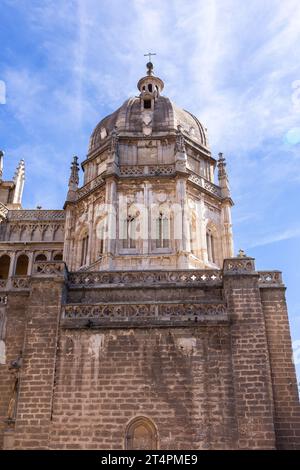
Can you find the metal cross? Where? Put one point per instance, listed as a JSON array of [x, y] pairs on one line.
[[149, 55]]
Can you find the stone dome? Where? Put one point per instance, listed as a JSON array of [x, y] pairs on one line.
[[165, 116]]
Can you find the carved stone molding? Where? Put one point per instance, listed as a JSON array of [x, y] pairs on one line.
[[141, 314]]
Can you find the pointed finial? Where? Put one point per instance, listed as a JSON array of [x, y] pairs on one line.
[[19, 178], [1, 164], [74, 176], [242, 254], [221, 166], [73, 180]]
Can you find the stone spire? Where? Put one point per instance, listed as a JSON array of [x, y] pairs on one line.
[[73, 180], [223, 177], [19, 179]]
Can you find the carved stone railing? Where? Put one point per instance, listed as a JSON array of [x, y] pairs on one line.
[[87, 188], [141, 314], [49, 268], [20, 282], [15, 283], [147, 278], [205, 184], [146, 170], [3, 211], [36, 214], [270, 278], [3, 299], [239, 266], [3, 283]]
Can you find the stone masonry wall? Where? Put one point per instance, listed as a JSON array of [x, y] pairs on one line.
[[207, 377], [179, 378], [285, 391]]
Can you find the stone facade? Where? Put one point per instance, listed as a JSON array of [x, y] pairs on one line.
[[125, 320]]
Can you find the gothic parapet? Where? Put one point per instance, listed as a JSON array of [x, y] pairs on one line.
[[270, 279], [45, 269], [3, 212], [192, 277], [239, 265]]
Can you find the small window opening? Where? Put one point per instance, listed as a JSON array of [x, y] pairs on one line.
[[150, 87], [147, 104]]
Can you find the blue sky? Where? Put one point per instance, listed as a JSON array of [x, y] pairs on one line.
[[234, 64]]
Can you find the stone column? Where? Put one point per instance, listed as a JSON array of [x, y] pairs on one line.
[[183, 243], [250, 358], [111, 201], [227, 237]]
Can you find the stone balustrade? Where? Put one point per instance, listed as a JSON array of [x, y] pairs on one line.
[[49, 268], [148, 278], [270, 278]]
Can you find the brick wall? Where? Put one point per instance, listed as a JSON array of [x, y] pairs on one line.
[[179, 378], [211, 384], [16, 315], [250, 363], [37, 375], [285, 392]]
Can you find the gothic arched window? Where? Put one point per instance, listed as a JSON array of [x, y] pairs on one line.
[[4, 266], [130, 232], [210, 246], [141, 434], [100, 235], [22, 265], [162, 231], [41, 257], [84, 249]]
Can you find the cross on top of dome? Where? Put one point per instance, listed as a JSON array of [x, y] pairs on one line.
[[149, 65], [150, 84]]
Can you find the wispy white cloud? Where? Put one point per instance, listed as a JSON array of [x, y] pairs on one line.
[[276, 237]]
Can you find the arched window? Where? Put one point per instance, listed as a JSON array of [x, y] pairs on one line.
[[22, 266], [100, 232], [141, 434], [41, 257], [4, 266], [162, 231], [58, 257], [210, 246], [130, 232], [84, 250]]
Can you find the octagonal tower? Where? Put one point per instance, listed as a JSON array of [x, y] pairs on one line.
[[149, 200]]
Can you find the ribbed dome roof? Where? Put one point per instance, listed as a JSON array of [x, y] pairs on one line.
[[166, 117]]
